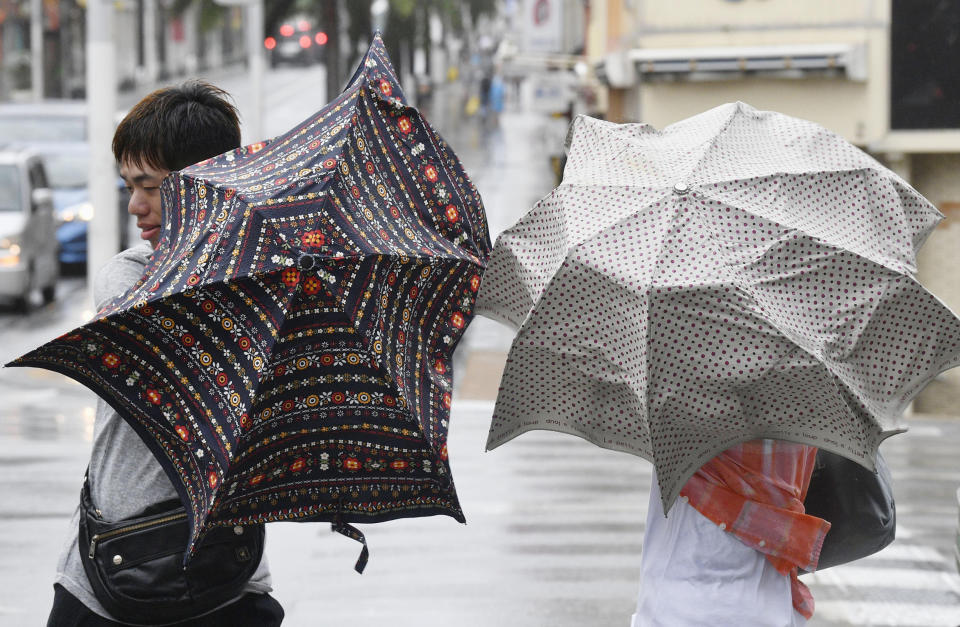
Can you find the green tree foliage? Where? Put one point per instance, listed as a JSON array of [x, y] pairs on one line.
[[408, 23], [209, 12], [359, 23]]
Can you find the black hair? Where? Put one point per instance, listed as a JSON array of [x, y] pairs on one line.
[[177, 126]]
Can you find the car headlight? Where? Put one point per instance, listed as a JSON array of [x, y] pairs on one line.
[[9, 251], [81, 211]]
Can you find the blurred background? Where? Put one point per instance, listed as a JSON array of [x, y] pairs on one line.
[[556, 524]]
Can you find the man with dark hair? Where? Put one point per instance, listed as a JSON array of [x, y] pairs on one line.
[[166, 131], [169, 130]]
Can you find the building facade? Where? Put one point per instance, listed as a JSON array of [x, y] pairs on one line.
[[881, 73], [154, 42]]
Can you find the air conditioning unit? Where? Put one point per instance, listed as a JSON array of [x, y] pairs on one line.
[[616, 70], [792, 61]]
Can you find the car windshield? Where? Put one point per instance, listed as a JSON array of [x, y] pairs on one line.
[[43, 128], [66, 170], [9, 188]]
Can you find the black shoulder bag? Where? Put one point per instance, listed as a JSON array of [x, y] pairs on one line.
[[857, 503], [135, 566]]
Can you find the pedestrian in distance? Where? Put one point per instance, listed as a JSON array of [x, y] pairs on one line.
[[168, 130], [495, 99]]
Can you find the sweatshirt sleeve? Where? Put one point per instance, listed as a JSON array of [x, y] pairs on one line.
[[120, 274]]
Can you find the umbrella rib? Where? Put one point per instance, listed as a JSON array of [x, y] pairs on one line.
[[757, 308], [365, 340], [738, 109], [432, 136], [910, 269]]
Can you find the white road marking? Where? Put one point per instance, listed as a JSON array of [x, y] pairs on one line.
[[850, 576], [895, 614]]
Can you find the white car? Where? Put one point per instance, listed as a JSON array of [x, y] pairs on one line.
[[28, 242]]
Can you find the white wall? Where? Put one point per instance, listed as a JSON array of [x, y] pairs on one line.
[[858, 110]]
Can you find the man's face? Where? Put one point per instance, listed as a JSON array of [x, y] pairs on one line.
[[143, 183]]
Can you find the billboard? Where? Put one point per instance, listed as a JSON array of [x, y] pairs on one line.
[[542, 25]]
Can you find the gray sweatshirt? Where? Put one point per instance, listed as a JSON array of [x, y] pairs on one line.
[[125, 478]]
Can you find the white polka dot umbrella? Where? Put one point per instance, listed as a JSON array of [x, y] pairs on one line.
[[739, 274]]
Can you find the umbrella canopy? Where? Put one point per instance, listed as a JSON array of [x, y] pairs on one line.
[[737, 275], [287, 355]]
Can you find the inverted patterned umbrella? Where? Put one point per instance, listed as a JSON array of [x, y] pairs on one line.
[[737, 275], [287, 355]]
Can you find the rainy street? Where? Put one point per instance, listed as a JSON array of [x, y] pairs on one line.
[[554, 525]]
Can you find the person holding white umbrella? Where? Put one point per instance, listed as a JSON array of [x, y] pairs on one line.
[[732, 542], [723, 298]]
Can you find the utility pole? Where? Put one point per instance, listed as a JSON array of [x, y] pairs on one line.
[[103, 236], [36, 49], [331, 22], [253, 9], [255, 54], [150, 41]]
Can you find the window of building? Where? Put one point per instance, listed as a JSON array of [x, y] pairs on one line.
[[924, 66]]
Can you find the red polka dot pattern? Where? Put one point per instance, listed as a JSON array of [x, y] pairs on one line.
[[740, 274]]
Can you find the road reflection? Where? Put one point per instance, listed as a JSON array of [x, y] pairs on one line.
[[48, 421]]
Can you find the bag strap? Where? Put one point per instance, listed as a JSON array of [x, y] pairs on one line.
[[86, 501], [337, 526]]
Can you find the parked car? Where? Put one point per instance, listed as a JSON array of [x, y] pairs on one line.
[[57, 130], [28, 249], [297, 42]]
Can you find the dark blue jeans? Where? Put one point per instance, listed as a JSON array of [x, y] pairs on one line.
[[252, 609]]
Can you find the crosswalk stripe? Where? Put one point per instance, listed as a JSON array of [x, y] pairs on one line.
[[926, 508], [926, 475], [472, 405], [902, 578], [878, 613], [901, 551]]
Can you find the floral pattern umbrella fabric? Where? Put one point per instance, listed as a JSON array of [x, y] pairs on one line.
[[287, 355], [738, 275]]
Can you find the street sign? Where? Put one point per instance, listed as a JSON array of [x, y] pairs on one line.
[[551, 92], [542, 26]]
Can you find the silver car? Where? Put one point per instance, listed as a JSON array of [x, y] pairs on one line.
[[28, 243]]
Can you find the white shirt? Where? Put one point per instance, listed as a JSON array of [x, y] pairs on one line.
[[692, 573]]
